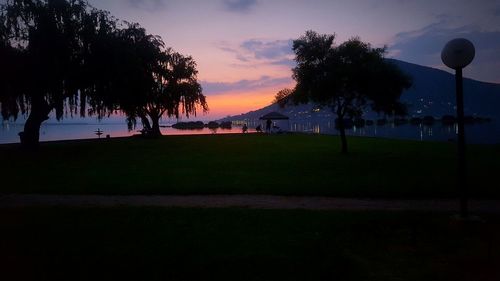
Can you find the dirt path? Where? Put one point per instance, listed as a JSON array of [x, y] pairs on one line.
[[244, 201]]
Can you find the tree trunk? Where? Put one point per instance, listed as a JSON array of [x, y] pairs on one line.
[[341, 128], [145, 123], [155, 129], [343, 137], [40, 109]]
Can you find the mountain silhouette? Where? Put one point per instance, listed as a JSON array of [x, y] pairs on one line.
[[438, 87]]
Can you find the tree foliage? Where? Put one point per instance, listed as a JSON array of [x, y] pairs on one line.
[[174, 91], [347, 78], [47, 49], [68, 57], [283, 97]]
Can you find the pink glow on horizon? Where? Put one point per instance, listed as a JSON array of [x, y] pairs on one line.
[[235, 103]]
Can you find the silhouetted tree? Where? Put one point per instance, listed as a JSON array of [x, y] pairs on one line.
[[175, 91], [283, 96], [134, 60], [47, 48], [64, 54], [346, 78]]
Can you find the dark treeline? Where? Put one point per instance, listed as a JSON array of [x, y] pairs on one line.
[[196, 125], [68, 57]]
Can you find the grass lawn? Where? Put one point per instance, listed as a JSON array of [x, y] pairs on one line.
[[239, 244], [248, 164]]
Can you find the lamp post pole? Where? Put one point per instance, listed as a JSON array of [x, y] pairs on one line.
[[462, 164], [457, 54]]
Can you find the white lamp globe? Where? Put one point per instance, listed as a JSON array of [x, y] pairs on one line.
[[458, 53]]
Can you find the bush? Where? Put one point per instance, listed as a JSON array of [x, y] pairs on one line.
[[448, 120], [400, 121], [381, 122], [226, 125], [189, 125], [213, 125], [416, 121], [359, 122], [428, 120]]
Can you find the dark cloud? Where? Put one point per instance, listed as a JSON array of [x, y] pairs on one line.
[[277, 52], [239, 5], [421, 42], [253, 53], [213, 88], [285, 62], [424, 47], [228, 49], [268, 50], [152, 5]]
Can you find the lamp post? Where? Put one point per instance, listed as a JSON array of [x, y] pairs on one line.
[[457, 54]]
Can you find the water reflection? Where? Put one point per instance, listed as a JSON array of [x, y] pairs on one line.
[[475, 133], [51, 132]]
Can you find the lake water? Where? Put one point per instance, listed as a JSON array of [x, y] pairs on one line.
[[486, 133], [71, 131]]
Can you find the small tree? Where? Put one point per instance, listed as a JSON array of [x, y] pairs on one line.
[[175, 91], [345, 78]]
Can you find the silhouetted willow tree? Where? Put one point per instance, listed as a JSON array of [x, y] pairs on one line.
[[175, 91], [346, 78], [48, 51], [65, 55]]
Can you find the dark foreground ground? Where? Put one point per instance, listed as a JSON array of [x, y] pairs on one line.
[[265, 202], [90, 242], [248, 164], [239, 244]]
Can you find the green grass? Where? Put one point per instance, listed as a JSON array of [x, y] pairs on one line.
[[249, 164], [239, 244]]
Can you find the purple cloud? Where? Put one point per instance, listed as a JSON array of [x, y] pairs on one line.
[[424, 47], [239, 5], [256, 52], [150, 5], [214, 88], [268, 49]]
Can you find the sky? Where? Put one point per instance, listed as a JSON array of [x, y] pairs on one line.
[[243, 47]]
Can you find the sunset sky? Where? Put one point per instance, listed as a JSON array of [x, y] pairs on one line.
[[243, 47]]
